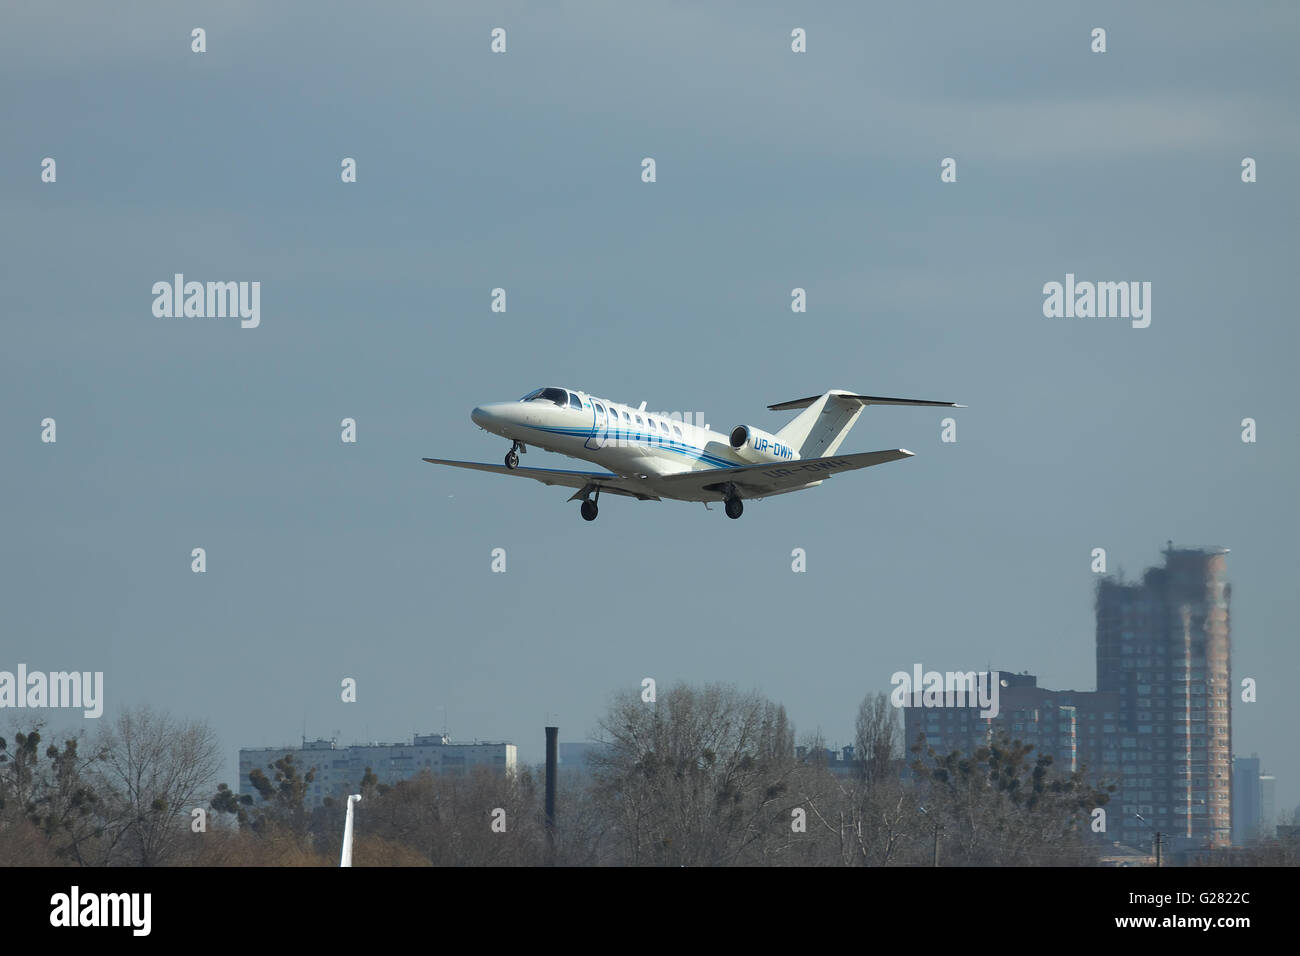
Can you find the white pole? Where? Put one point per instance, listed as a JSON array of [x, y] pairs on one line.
[[347, 832]]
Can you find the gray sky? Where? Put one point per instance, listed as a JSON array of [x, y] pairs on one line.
[[522, 170]]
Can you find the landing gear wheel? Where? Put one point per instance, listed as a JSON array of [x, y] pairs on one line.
[[512, 459], [589, 510], [735, 507]]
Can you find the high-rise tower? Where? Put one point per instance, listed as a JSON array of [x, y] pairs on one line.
[[1163, 647]]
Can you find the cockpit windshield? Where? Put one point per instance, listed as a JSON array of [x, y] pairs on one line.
[[556, 395]]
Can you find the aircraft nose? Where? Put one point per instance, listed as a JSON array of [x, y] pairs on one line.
[[493, 416]]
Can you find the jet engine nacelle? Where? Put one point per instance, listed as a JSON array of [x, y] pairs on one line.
[[757, 446]]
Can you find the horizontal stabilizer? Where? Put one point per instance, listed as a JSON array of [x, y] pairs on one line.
[[859, 399]]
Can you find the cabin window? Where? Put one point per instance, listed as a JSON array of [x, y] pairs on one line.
[[575, 401], [626, 419], [638, 420], [678, 431], [600, 409]]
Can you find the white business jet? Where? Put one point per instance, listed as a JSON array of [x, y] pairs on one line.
[[652, 456]]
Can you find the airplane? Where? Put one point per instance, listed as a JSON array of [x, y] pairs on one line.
[[651, 456]]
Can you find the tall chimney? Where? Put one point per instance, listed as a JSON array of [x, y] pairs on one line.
[[552, 752]]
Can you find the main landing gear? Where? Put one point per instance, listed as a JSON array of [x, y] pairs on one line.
[[512, 456], [589, 509], [734, 506]]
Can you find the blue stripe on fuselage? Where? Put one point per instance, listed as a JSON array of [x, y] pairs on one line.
[[648, 439]]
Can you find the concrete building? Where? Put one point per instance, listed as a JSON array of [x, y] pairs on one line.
[[842, 762], [945, 728], [339, 770], [1163, 646], [1247, 800], [1267, 805]]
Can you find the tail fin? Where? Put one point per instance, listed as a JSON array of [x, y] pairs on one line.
[[819, 430]]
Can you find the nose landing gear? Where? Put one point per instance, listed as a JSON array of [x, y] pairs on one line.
[[512, 456]]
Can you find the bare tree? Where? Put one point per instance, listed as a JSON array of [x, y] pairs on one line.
[[701, 777], [879, 739], [154, 769], [855, 824], [483, 818]]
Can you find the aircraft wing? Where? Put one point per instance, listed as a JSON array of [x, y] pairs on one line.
[[755, 481], [607, 482]]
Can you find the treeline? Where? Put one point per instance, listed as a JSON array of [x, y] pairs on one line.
[[121, 798], [706, 776]]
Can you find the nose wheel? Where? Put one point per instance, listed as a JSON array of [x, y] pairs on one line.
[[512, 457]]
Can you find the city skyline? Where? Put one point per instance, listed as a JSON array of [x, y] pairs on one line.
[[1108, 713], [1013, 683]]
